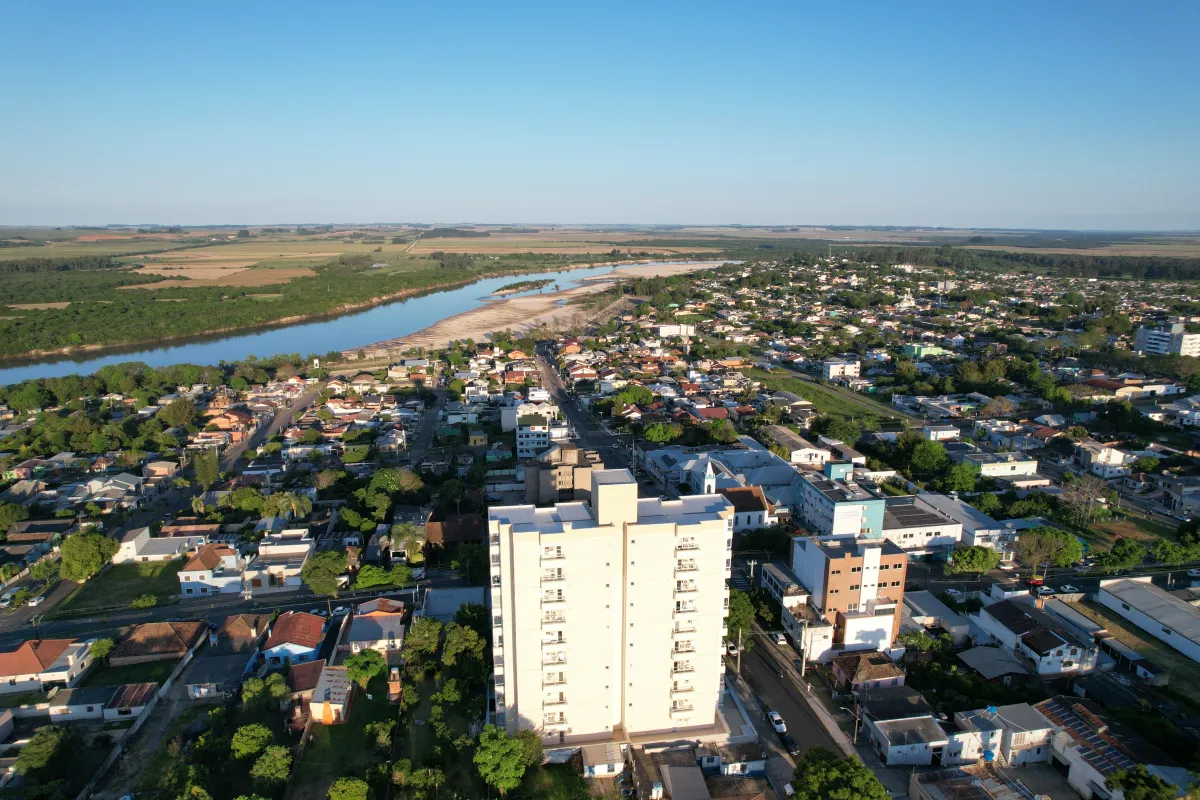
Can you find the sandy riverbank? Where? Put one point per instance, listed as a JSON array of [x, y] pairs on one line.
[[520, 314]]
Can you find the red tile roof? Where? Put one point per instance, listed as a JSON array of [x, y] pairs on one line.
[[133, 695], [208, 557], [747, 498], [33, 656], [303, 677], [297, 627]]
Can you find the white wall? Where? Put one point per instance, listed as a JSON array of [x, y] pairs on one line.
[[1149, 625]]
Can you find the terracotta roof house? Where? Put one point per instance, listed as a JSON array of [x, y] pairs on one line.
[[295, 638], [302, 680], [214, 569], [158, 641], [866, 670], [455, 528], [40, 662]]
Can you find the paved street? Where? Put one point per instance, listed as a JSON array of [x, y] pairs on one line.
[[284, 418]]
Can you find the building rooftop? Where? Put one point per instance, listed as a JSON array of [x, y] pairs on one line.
[[914, 730], [610, 476], [1161, 606], [903, 512], [992, 662], [972, 782]]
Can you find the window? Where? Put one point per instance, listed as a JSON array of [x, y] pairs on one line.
[[835, 572], [833, 591], [856, 569], [854, 587], [895, 583]]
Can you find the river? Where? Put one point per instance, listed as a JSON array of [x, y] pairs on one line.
[[354, 329]]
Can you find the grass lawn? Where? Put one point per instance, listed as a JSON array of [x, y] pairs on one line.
[[1185, 678], [334, 751], [21, 699], [555, 782], [150, 672], [823, 400], [120, 584], [1145, 530]]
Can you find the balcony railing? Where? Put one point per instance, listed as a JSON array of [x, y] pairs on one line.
[[552, 555], [554, 681], [682, 667], [552, 640], [684, 628], [681, 690], [684, 648], [685, 609], [548, 599], [553, 617], [554, 701], [494, 539], [550, 576], [687, 546], [553, 658], [686, 566]]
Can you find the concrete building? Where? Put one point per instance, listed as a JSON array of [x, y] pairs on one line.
[[839, 368], [1022, 735], [1002, 465], [1103, 460], [798, 449], [280, 559], [609, 615], [977, 527], [1166, 340], [751, 508], [510, 415], [856, 585], [918, 530], [534, 439], [38, 664], [560, 474], [1159, 613], [940, 433], [834, 504]]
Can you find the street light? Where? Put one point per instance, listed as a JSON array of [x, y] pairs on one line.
[[857, 719]]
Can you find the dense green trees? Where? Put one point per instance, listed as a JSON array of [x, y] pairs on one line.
[[821, 775], [322, 571], [85, 553], [972, 559]]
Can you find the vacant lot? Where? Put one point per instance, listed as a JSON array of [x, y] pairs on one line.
[[117, 586], [1185, 678], [37, 306], [1131, 528], [150, 672]]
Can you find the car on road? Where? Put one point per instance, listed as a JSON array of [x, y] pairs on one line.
[[1069, 588], [37, 601], [789, 744], [776, 722], [1008, 566], [779, 638], [732, 648], [1044, 591], [1035, 582], [1193, 573]]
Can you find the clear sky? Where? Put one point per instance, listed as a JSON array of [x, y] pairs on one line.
[[991, 114]]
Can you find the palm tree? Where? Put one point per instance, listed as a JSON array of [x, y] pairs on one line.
[[409, 534], [289, 504], [198, 506]]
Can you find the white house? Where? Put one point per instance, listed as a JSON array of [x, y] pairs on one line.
[[214, 569], [1102, 460], [1045, 643], [139, 546], [1017, 734], [38, 664]]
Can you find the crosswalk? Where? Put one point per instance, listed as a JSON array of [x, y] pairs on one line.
[[739, 580]]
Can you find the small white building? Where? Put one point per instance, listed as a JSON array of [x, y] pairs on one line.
[[1016, 734], [139, 546]]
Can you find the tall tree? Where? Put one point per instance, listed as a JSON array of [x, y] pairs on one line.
[[821, 775], [500, 759], [85, 553], [322, 571], [365, 665], [739, 616], [972, 559], [1139, 784], [207, 468]]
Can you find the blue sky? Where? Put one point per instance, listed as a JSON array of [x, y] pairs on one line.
[[1048, 115]]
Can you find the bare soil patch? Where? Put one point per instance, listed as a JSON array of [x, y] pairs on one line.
[[220, 276], [38, 306]]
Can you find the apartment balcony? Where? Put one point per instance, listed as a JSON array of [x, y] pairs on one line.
[[495, 559], [553, 576], [552, 555], [685, 609], [558, 681], [681, 711], [682, 668], [681, 690], [555, 702], [684, 628], [553, 659], [681, 649], [494, 540], [554, 618], [682, 546], [553, 600], [686, 566], [556, 726], [550, 642], [684, 592]]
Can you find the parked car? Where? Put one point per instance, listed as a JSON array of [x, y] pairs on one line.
[[732, 648], [780, 639], [37, 601], [789, 744], [955, 595], [1035, 582], [1044, 591], [776, 722], [1193, 573], [1069, 588], [1007, 566]]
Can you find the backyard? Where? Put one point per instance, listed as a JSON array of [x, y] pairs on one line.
[[334, 751], [150, 672], [116, 587], [1130, 527]]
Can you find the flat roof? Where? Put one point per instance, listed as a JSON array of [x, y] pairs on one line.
[[609, 476], [908, 514], [1161, 606], [917, 730]]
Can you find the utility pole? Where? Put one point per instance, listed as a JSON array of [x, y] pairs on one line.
[[803, 646], [739, 653]]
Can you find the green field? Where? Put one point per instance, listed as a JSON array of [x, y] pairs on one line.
[[1144, 530], [824, 400], [117, 586]]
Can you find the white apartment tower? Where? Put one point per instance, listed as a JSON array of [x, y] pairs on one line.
[[608, 616], [1166, 340]]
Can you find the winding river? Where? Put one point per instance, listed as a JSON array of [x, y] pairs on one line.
[[354, 329]]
